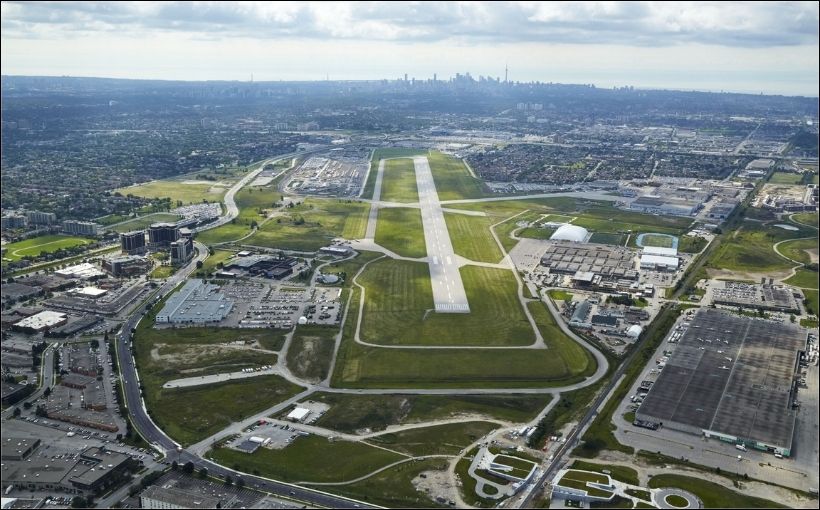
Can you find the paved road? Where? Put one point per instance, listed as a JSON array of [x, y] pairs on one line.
[[449, 295]]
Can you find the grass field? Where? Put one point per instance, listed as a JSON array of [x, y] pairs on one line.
[[383, 153], [785, 178], [471, 237], [313, 224], [36, 245], [399, 296], [212, 262], [812, 304], [393, 488], [750, 248], [177, 191], [453, 180], [536, 232], [657, 241], [620, 473], [311, 351], [399, 181], [346, 269], [607, 238], [400, 229], [803, 278], [691, 244], [363, 367], [448, 439], [252, 202], [796, 250], [351, 413], [309, 459], [162, 272], [806, 218], [711, 494], [145, 221]]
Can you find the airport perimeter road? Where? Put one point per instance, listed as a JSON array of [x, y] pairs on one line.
[[449, 295]]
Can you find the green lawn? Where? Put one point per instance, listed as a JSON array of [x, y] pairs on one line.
[[536, 232], [309, 459], [177, 190], [252, 202], [366, 367], [785, 178], [608, 238], [311, 350], [36, 245], [750, 249], [711, 494], [393, 487], [212, 262], [347, 269], [803, 278], [620, 473], [812, 305], [350, 413], [162, 272], [806, 218], [384, 153], [313, 224], [796, 250], [448, 439], [400, 229], [559, 295], [399, 181], [657, 241], [399, 297], [691, 244], [471, 237], [453, 180], [144, 222]]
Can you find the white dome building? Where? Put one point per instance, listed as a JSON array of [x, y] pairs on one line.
[[634, 331], [572, 233]]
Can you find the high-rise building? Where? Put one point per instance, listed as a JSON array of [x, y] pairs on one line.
[[182, 250], [161, 235], [41, 218], [132, 242], [13, 221], [84, 228]]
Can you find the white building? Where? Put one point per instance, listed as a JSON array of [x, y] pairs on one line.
[[299, 414], [658, 263], [572, 233]]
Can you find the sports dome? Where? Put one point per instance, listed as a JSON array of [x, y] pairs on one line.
[[570, 233], [634, 331]]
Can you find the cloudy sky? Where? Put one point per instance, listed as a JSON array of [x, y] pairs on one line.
[[769, 47]]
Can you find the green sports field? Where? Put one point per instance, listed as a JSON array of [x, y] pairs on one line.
[[785, 178], [399, 299], [36, 245], [400, 230], [399, 181]]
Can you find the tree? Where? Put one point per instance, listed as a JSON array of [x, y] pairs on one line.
[[240, 482], [199, 264], [188, 468], [47, 392], [228, 480], [17, 412], [78, 502], [174, 465], [203, 473]]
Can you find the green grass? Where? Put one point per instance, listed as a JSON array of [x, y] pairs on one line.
[[399, 296], [177, 191], [471, 237], [347, 269], [448, 439], [806, 218], [750, 249], [313, 224], [469, 483], [34, 246], [309, 459], [162, 272], [584, 476], [399, 181], [366, 367], [252, 203], [400, 230], [559, 295], [536, 232], [219, 257], [384, 153], [691, 244], [796, 250], [607, 238], [350, 413], [453, 180], [393, 487], [812, 305], [570, 481], [676, 501], [641, 494], [311, 351], [144, 222], [803, 278], [657, 241], [711, 494], [620, 473], [785, 178]]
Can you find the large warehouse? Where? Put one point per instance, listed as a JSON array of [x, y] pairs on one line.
[[731, 378]]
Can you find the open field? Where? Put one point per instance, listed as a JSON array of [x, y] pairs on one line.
[[806, 218], [606, 238], [785, 178], [749, 248], [311, 351], [536, 232], [803, 278], [620, 473], [399, 181], [812, 302], [352, 413], [252, 202], [797, 250], [382, 153], [162, 272], [453, 180], [400, 230], [448, 439], [469, 483], [399, 296], [187, 192], [192, 414], [691, 244], [393, 488], [36, 245], [313, 224], [711, 494], [309, 459], [213, 261], [145, 222], [471, 237], [346, 269], [361, 366]]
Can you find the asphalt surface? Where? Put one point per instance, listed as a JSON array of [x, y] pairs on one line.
[[449, 295]]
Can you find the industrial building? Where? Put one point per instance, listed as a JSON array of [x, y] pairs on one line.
[[571, 233], [176, 490], [126, 265], [777, 298], [42, 321], [196, 303], [665, 205], [570, 257], [732, 378], [161, 235], [84, 271], [722, 210], [264, 265], [80, 228], [132, 242]]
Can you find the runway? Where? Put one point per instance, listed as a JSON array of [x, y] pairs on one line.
[[448, 289]]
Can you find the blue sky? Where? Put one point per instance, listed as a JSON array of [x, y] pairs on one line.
[[769, 47]]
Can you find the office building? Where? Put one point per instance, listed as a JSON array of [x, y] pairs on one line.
[[132, 242], [161, 235], [182, 250], [81, 228]]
